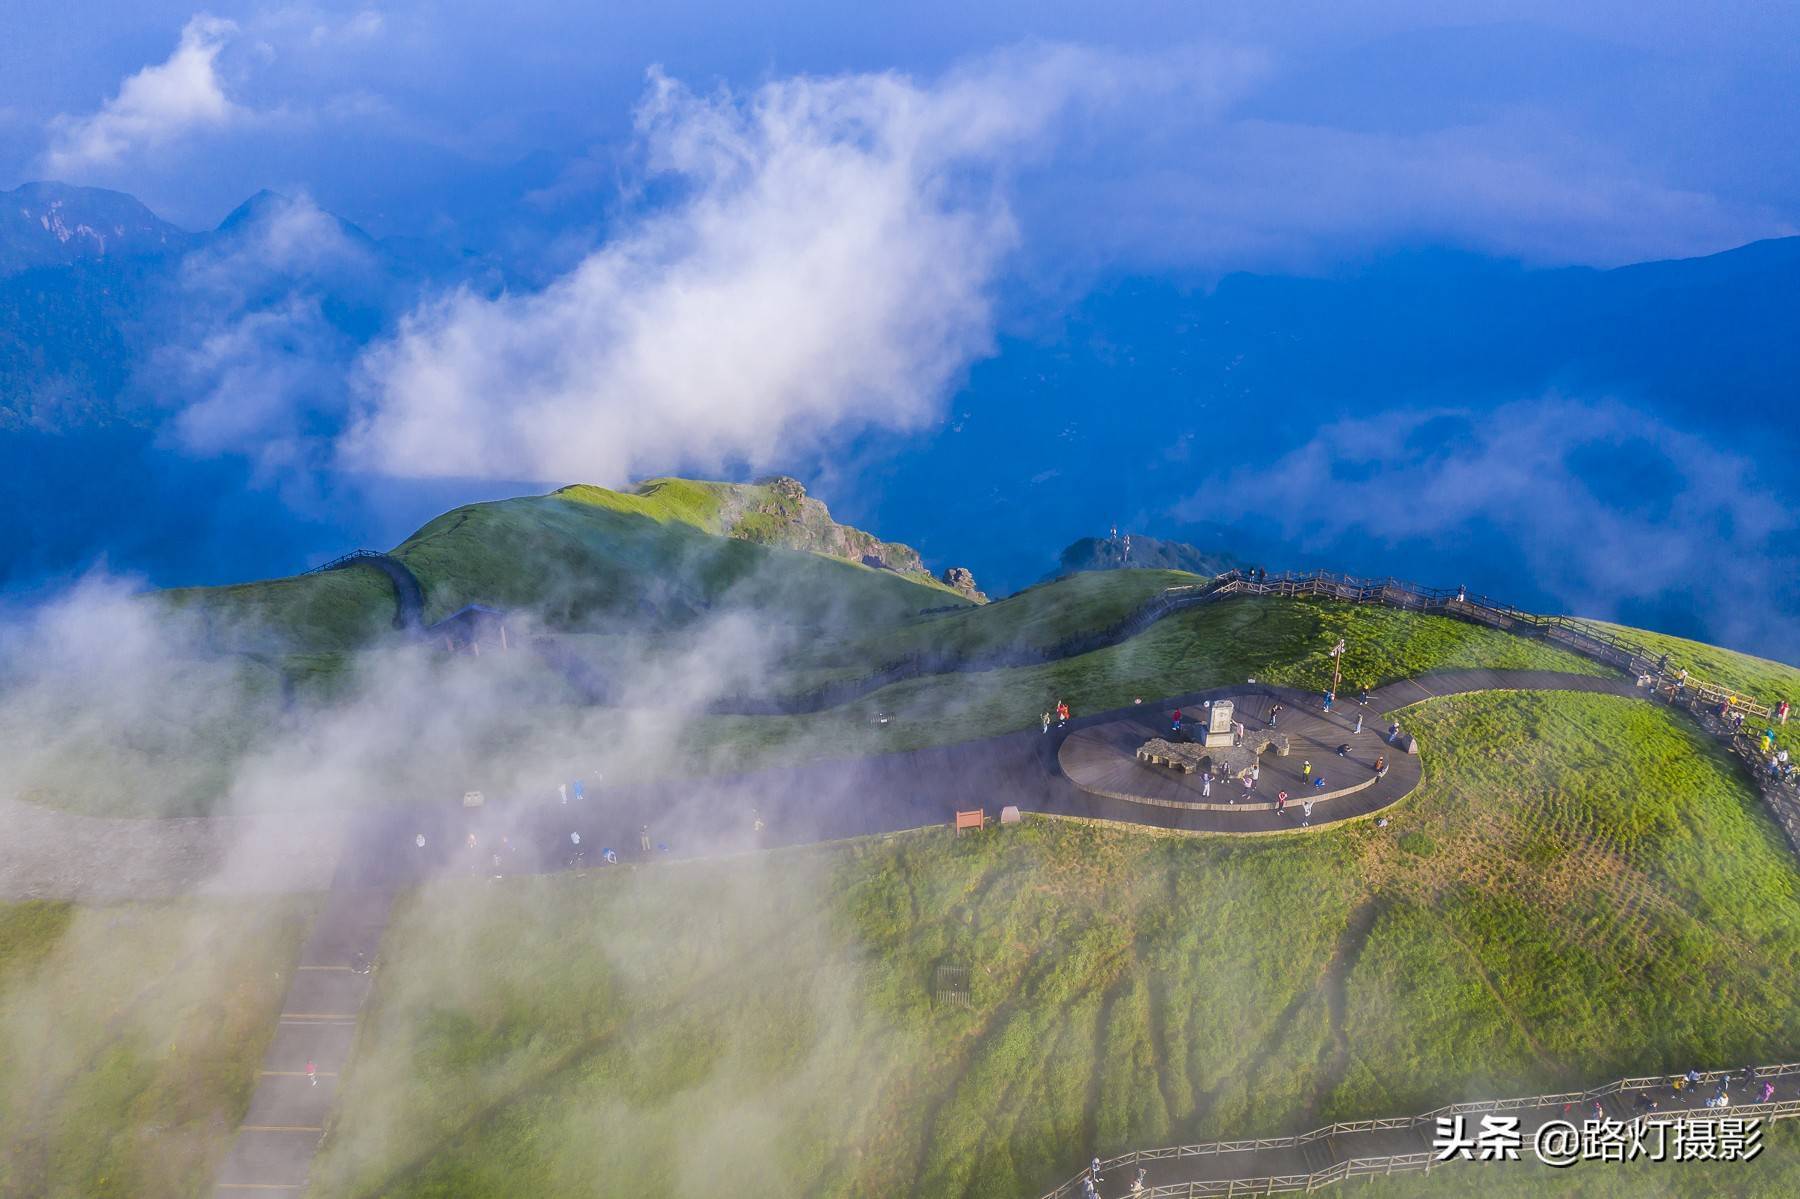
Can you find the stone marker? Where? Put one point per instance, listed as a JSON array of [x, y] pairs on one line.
[[1218, 728], [1009, 814], [1409, 743]]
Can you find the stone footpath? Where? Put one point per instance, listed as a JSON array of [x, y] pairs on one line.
[[286, 1120]]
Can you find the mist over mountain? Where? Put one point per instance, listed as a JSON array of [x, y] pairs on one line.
[[192, 381], [1568, 438]]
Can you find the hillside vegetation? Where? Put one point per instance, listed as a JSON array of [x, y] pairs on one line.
[[130, 1038], [587, 557], [1760, 678], [1532, 918], [1272, 640], [652, 559], [536, 719]]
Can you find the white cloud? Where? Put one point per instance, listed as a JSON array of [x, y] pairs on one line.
[[825, 267], [254, 359], [1269, 195], [159, 103], [1605, 505]]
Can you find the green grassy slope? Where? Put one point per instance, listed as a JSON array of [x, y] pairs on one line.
[[654, 558], [773, 512], [162, 746], [180, 766], [130, 1038], [639, 560], [768, 1026], [1761, 678], [1274, 640], [1037, 618], [337, 610], [1775, 1174]]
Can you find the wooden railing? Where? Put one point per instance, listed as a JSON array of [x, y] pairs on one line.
[[1581, 636], [1400, 1163]]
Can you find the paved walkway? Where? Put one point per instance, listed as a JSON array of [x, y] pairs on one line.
[[53, 854], [701, 817], [1102, 759], [829, 800], [285, 1122]]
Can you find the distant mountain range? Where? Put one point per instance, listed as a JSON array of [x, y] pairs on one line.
[[94, 286], [54, 224], [1114, 412]]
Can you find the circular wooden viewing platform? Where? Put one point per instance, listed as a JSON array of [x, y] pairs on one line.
[[1104, 760]]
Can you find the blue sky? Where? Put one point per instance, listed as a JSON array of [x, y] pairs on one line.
[[1262, 135], [827, 239]]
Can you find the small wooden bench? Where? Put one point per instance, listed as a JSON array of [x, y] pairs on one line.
[[976, 819]]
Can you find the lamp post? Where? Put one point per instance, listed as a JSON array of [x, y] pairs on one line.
[[1337, 664]]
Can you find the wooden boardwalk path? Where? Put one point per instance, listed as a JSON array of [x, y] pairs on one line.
[[1404, 1144]]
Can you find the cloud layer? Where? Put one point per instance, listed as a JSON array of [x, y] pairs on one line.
[[159, 103], [827, 263], [1605, 506]]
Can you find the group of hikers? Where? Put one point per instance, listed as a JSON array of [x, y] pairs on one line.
[[1090, 1181], [1755, 1089], [1776, 760], [1251, 777], [1730, 712], [499, 853]]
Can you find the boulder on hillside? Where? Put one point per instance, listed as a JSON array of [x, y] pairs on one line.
[[962, 579], [785, 486], [775, 510]]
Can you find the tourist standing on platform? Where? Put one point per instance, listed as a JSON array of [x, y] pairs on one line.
[[1281, 801], [1206, 785], [1046, 722], [1358, 727], [1306, 772], [1274, 715], [1306, 812]]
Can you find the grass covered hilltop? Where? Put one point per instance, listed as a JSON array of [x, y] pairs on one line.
[[1582, 886], [1530, 920]]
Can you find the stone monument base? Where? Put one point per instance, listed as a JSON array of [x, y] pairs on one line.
[[1224, 761]]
